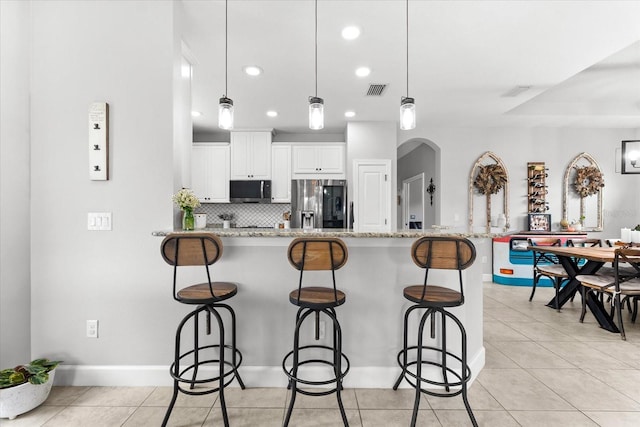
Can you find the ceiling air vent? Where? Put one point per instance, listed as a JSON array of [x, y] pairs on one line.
[[376, 89]]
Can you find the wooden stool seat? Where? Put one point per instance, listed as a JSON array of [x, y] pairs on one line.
[[201, 293], [317, 297], [435, 295]]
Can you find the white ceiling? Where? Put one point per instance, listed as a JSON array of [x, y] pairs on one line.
[[581, 59]]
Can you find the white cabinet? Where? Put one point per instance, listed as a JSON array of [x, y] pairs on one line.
[[318, 160], [250, 155], [210, 172], [281, 173]]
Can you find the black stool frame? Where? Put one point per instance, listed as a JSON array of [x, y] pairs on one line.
[[433, 308], [227, 370], [339, 362]]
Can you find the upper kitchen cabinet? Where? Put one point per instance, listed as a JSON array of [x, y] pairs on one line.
[[210, 172], [281, 173], [319, 160], [250, 155]]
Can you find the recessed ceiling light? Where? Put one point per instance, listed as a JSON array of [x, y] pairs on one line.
[[252, 70], [196, 114], [363, 71], [350, 33], [350, 114], [272, 113]]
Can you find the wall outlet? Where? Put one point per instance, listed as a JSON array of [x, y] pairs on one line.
[[92, 329], [323, 326], [484, 259]]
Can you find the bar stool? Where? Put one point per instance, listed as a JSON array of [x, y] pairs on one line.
[[448, 253], [201, 249], [319, 254]]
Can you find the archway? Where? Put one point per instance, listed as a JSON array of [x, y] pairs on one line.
[[417, 156]]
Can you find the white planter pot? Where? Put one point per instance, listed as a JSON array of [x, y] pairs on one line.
[[24, 397]]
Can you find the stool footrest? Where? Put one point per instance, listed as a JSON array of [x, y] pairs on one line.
[[188, 379], [338, 377], [410, 376]]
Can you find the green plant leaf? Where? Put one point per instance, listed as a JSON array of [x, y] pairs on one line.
[[39, 378], [45, 363], [17, 378], [34, 370]]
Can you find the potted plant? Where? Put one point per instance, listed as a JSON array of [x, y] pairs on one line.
[[226, 219], [187, 201], [25, 387]]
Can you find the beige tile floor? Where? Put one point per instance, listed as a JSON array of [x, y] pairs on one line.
[[543, 368]]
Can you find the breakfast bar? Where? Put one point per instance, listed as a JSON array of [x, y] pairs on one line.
[[379, 266]]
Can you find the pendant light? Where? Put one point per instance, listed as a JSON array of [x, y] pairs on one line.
[[316, 105], [225, 108], [407, 104]]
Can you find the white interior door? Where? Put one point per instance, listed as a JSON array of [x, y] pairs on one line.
[[372, 207], [413, 203]]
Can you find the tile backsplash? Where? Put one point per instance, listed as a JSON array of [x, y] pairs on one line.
[[245, 214]]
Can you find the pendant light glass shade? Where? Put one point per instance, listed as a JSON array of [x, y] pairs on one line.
[[316, 105], [225, 107], [407, 113], [407, 104], [316, 113], [225, 113]]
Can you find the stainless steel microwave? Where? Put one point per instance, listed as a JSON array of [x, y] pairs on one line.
[[250, 191]]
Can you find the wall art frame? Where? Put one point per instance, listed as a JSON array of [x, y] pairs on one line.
[[630, 159], [539, 222]]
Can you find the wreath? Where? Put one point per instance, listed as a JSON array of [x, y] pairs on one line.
[[490, 179], [588, 181]]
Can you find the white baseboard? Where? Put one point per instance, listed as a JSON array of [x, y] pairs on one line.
[[253, 376], [487, 277]]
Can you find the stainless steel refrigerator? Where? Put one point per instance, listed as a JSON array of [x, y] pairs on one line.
[[318, 203]]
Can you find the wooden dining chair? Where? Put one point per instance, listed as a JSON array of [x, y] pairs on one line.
[[621, 286], [585, 243], [547, 265]]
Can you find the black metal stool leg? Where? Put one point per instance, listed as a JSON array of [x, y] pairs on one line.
[[464, 374], [337, 358], [405, 349], [176, 366], [234, 349], [416, 403], [444, 350], [223, 405], [195, 350], [300, 316]]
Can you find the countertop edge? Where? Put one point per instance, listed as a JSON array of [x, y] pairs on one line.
[[330, 233]]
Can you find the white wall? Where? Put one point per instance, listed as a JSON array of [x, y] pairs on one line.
[[556, 147], [15, 289], [121, 53]]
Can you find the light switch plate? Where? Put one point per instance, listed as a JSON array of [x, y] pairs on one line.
[[99, 221]]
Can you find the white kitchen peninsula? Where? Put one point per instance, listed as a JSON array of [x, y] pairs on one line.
[[378, 268]]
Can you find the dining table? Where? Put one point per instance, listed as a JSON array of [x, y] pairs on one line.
[[571, 259]]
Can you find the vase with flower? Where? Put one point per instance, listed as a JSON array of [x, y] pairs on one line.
[[187, 201]]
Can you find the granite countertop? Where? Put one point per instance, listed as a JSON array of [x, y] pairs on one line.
[[331, 232]]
